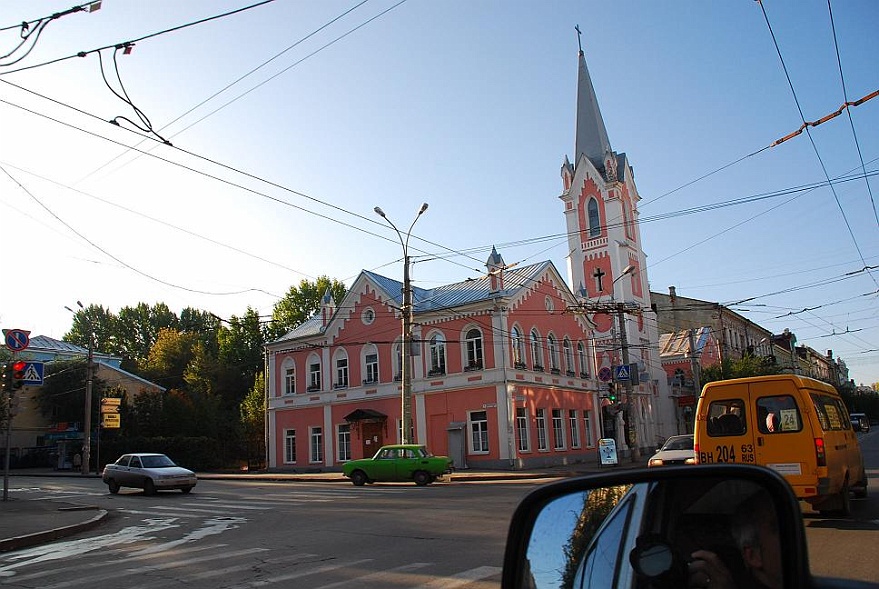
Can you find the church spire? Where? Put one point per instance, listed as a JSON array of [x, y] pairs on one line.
[[591, 134]]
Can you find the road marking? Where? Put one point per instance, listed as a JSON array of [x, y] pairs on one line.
[[223, 505], [462, 578], [385, 578], [247, 566], [306, 573]]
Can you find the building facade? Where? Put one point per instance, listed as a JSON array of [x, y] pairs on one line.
[[684, 353], [502, 375]]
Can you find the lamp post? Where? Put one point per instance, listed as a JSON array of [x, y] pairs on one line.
[[87, 421], [406, 311]]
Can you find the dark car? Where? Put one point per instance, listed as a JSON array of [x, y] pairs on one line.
[[398, 463], [860, 422], [150, 472]]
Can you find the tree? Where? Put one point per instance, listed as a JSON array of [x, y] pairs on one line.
[[253, 413], [740, 368], [240, 356], [62, 396], [169, 357], [301, 302], [137, 329]]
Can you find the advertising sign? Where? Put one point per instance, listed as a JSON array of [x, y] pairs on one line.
[[607, 452]]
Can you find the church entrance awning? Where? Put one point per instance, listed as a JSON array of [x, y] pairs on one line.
[[364, 414]]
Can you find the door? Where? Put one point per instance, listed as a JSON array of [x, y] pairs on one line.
[[784, 440], [729, 436], [372, 437]]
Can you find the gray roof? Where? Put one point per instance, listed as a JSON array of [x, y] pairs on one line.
[[592, 137], [424, 300]]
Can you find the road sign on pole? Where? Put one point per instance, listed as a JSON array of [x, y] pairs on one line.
[[17, 339], [33, 373]]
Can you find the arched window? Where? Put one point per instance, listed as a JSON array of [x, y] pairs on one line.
[[594, 218], [314, 372], [370, 364], [518, 347], [473, 349], [536, 351], [341, 365], [398, 361], [569, 357], [581, 359], [552, 346], [437, 355]]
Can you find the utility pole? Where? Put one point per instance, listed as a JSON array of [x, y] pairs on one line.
[[406, 311]]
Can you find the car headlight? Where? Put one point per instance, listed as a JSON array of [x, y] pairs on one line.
[[655, 462], [690, 460]]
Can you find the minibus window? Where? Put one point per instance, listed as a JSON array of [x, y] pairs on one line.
[[726, 418], [777, 415], [831, 414]]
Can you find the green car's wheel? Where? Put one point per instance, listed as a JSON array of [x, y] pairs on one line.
[[422, 478], [359, 478]]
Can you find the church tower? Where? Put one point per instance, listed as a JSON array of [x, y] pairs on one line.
[[607, 264]]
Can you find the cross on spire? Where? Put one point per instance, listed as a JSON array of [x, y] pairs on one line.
[[579, 33]]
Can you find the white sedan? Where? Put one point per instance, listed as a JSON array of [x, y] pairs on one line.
[[150, 472], [676, 450]]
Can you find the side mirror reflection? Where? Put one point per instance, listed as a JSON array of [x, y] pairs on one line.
[[657, 531]]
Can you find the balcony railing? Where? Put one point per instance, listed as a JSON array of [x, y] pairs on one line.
[[473, 366], [313, 388], [370, 381], [555, 371], [584, 375], [436, 372], [537, 368], [520, 366], [569, 373]]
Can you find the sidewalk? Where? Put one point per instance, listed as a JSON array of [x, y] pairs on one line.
[[25, 523]]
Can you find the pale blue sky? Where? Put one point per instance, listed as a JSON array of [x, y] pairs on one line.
[[468, 106]]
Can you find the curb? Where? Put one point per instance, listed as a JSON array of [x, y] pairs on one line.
[[29, 540]]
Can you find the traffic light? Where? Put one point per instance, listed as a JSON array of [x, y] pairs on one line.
[[612, 396], [18, 369], [7, 377]]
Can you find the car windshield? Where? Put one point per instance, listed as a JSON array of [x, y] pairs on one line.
[[679, 443], [159, 461]]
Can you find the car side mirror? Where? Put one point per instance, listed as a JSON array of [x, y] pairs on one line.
[[673, 527]]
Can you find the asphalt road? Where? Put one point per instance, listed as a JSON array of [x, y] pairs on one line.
[[328, 535]]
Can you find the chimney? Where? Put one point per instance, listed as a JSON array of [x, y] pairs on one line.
[[672, 293]]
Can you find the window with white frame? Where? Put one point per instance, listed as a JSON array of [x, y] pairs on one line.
[[316, 447], [437, 355], [594, 218], [473, 346], [398, 357], [581, 360], [587, 425], [314, 375], [341, 370], [553, 347], [536, 351], [517, 347], [568, 351], [370, 365], [290, 446], [343, 442], [558, 429], [290, 380], [523, 438], [540, 418], [478, 432], [575, 428]]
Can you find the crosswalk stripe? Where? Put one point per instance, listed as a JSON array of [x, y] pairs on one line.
[[223, 505], [305, 573], [247, 566], [381, 577], [462, 578]]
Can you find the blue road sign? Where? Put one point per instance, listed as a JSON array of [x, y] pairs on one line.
[[33, 373], [17, 339], [621, 372]]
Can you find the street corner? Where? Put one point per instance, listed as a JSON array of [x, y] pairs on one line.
[[30, 524]]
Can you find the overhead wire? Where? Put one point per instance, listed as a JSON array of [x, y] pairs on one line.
[[848, 111], [811, 139]]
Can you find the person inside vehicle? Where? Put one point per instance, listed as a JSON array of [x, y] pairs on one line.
[[755, 530]]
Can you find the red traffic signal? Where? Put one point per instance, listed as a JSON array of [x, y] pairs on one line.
[[18, 369]]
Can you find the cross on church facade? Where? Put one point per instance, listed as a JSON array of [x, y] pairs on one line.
[[599, 274]]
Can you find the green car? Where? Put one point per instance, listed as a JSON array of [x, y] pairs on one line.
[[398, 462]]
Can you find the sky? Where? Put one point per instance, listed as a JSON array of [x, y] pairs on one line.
[[290, 121]]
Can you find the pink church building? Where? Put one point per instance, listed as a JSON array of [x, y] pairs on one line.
[[502, 374]]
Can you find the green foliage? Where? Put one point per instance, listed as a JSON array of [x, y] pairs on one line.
[[740, 368], [62, 396], [252, 414], [301, 302]]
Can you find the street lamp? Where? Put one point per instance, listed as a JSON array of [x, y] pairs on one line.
[[405, 369], [87, 422]]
